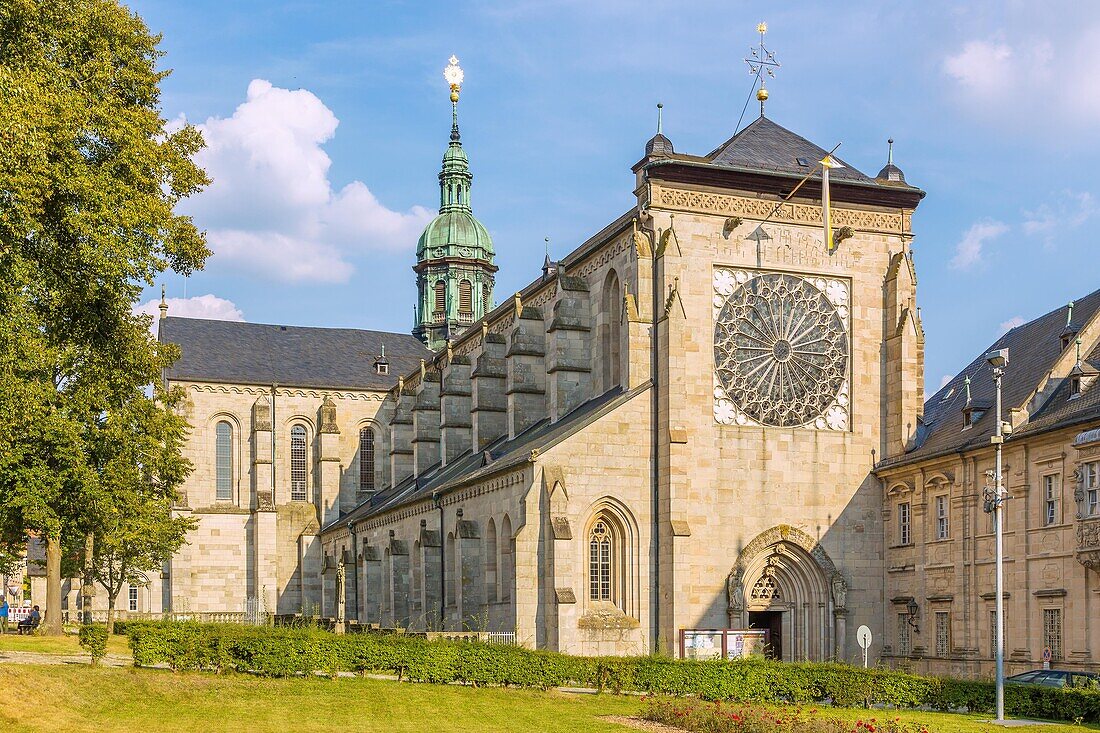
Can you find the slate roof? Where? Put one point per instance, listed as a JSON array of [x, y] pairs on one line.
[[765, 146], [1033, 349], [293, 356], [499, 455]]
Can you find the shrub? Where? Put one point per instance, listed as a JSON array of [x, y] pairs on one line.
[[93, 638], [287, 651], [693, 715]]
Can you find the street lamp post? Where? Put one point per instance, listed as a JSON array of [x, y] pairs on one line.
[[998, 360]]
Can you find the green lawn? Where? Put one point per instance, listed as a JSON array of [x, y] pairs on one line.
[[79, 698], [67, 644], [67, 698]]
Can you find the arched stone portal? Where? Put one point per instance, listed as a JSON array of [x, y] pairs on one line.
[[784, 580]]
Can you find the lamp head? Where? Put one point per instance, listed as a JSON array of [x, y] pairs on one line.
[[998, 359], [912, 607]]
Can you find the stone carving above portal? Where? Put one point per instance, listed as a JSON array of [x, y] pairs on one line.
[[781, 350]]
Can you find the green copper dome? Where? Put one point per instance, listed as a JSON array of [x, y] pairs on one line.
[[455, 233]]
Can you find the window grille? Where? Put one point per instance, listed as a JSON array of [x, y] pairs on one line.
[[132, 597], [297, 463], [905, 527], [440, 297], [224, 461], [943, 633], [1052, 631], [1050, 499], [942, 529], [599, 562], [465, 297], [904, 643], [366, 459], [1090, 474]]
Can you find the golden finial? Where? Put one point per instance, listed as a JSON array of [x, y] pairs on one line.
[[423, 370], [484, 330], [454, 76], [450, 352], [519, 304], [762, 65]]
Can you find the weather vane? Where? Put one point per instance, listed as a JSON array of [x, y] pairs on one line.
[[762, 65]]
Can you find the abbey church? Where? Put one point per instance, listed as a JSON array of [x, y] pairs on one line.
[[700, 418]]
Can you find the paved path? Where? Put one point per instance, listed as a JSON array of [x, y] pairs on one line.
[[111, 660]]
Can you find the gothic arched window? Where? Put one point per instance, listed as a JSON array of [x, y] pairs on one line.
[[366, 459], [224, 461], [466, 298], [298, 463], [601, 547], [440, 297], [491, 562]]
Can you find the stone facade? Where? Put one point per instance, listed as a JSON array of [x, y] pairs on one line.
[[596, 427]]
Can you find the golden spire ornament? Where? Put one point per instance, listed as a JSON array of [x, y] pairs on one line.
[[762, 64]]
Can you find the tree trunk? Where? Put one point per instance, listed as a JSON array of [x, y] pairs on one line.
[[87, 590], [111, 612], [52, 625]]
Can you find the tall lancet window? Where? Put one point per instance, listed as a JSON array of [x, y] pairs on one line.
[[298, 463], [599, 562], [224, 461], [366, 459]]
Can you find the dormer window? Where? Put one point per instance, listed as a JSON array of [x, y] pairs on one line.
[[381, 367], [971, 415], [1074, 387]]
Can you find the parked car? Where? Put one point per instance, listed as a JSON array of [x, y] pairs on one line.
[[1055, 678]]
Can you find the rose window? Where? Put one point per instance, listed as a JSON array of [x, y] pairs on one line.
[[780, 350]]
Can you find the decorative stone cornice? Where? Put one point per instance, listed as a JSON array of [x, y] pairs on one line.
[[706, 202]]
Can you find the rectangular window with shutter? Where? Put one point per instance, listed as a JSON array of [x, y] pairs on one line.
[[942, 528], [905, 523], [904, 643], [1050, 499]]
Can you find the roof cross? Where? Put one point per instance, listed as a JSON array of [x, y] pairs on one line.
[[762, 64]]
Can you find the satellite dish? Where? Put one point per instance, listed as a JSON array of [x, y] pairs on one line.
[[863, 636]]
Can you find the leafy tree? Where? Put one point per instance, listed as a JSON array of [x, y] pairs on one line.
[[89, 178], [140, 470]]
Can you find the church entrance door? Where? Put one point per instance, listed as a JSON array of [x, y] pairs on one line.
[[773, 622]]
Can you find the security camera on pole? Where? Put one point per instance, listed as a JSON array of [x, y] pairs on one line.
[[994, 503]]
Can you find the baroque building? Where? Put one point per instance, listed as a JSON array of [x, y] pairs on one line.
[[939, 558]]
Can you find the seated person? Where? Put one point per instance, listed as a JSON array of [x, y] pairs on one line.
[[31, 622]]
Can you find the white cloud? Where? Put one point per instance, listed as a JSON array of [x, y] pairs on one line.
[[199, 306], [1012, 75], [945, 380], [272, 209], [1011, 323], [1070, 211], [982, 66], [968, 252]]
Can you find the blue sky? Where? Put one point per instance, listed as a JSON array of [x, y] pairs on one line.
[[327, 122]]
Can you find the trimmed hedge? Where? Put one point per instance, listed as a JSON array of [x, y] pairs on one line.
[[93, 638], [284, 652]]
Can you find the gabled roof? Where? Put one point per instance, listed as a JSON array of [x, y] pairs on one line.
[[233, 352], [763, 145], [1033, 349]]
